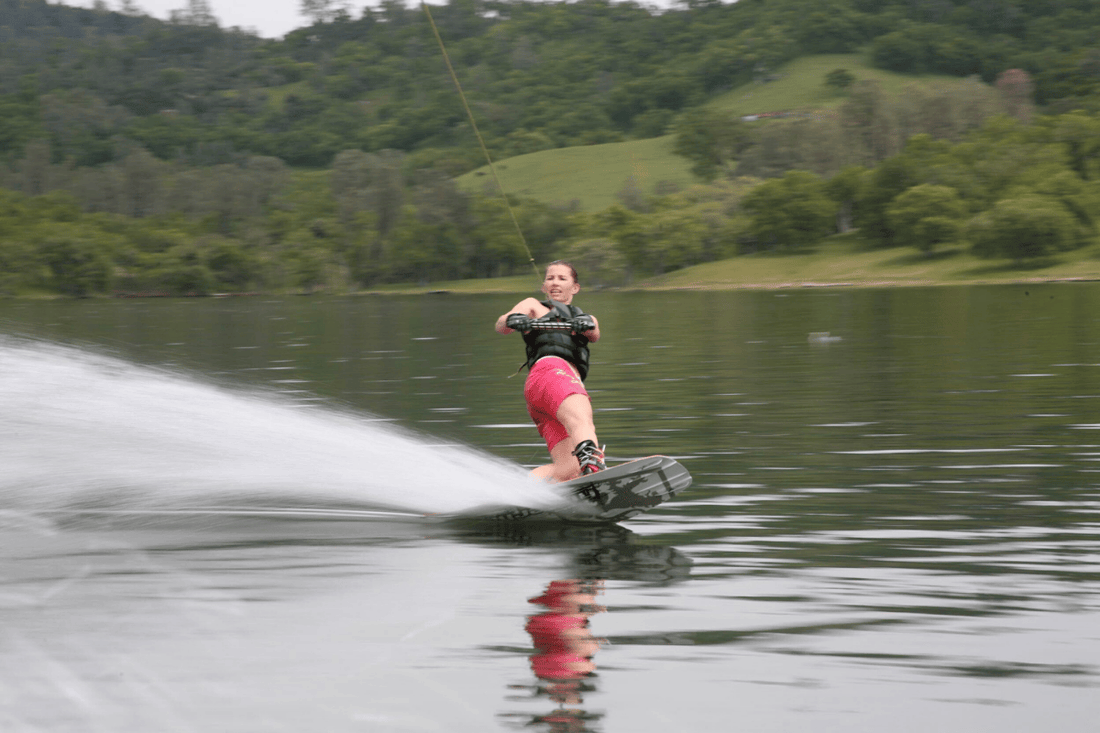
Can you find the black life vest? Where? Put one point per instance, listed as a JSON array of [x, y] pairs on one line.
[[573, 347]]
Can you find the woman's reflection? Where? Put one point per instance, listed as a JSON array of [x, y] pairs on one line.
[[565, 647]]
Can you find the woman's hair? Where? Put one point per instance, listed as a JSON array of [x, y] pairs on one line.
[[572, 270]]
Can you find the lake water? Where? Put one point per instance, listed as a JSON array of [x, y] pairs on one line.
[[894, 525]]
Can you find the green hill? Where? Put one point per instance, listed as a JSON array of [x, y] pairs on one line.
[[592, 175], [800, 85]]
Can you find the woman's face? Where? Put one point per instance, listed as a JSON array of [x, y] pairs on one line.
[[559, 283]]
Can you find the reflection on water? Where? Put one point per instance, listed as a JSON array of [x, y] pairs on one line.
[[565, 651], [896, 527], [563, 643]]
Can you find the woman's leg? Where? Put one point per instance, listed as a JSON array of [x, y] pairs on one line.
[[575, 413], [564, 466], [572, 421]]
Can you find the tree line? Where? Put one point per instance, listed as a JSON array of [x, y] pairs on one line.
[[143, 226], [1007, 188], [540, 75]]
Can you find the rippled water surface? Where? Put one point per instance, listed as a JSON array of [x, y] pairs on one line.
[[894, 525]]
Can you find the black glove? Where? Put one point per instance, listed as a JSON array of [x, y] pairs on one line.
[[518, 322], [583, 323]]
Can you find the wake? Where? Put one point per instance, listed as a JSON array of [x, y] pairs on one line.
[[82, 430]]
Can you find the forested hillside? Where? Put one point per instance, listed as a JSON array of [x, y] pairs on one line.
[[539, 74], [141, 155]]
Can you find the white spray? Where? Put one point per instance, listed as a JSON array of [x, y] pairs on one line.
[[79, 429]]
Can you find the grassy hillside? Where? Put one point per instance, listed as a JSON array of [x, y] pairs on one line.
[[592, 175], [801, 85], [840, 262]]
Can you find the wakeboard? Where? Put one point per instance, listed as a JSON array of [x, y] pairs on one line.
[[611, 495]]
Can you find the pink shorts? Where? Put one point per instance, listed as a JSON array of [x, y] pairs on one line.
[[550, 380]]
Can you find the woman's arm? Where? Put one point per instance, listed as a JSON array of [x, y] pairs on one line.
[[593, 335], [528, 307]]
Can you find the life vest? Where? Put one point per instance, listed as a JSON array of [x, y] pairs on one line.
[[573, 347]]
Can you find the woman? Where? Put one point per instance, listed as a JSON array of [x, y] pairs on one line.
[[557, 362]]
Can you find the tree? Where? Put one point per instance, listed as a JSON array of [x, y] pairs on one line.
[[945, 112], [35, 169], [78, 265], [798, 144], [674, 239], [267, 178], [415, 248], [881, 186], [196, 12], [790, 212], [632, 196], [600, 260], [626, 228], [1080, 134], [926, 215], [1018, 90], [834, 28], [868, 118], [1021, 228], [167, 136], [183, 272], [711, 140], [22, 123], [844, 188], [724, 63], [370, 182], [230, 265], [320, 11], [653, 123], [523, 141], [18, 261], [839, 79], [498, 247], [141, 183], [899, 51], [1081, 198], [307, 260]]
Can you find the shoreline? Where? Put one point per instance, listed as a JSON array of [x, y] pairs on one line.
[[466, 287], [492, 287], [809, 284], [829, 267], [508, 287], [835, 264]]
